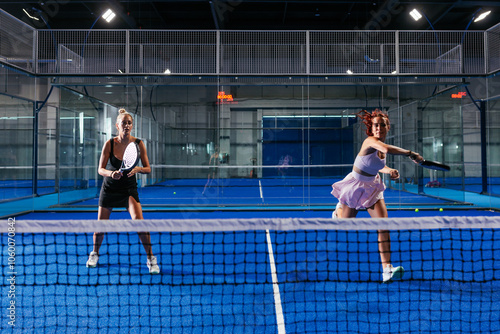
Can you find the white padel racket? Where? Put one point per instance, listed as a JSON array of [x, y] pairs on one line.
[[130, 157]]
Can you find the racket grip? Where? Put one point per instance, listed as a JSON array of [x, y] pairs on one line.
[[413, 156]]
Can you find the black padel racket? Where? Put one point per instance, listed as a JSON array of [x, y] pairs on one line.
[[434, 165]]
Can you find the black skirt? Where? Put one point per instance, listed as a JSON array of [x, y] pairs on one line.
[[117, 198]]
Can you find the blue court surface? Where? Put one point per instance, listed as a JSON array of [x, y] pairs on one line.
[[314, 281], [253, 192], [257, 192]]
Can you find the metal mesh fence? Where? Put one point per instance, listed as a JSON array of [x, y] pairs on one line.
[[69, 61], [418, 51], [352, 52], [16, 42], [266, 52], [473, 51], [493, 49], [263, 52], [450, 62], [176, 52], [225, 52]]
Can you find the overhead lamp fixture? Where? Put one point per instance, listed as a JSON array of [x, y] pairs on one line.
[[482, 16], [30, 16], [349, 72], [475, 19], [416, 15], [394, 72], [167, 71], [81, 123], [109, 15]]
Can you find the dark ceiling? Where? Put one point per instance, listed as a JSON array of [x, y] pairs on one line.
[[256, 15]]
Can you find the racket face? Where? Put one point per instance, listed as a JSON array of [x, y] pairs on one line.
[[130, 157], [435, 165]]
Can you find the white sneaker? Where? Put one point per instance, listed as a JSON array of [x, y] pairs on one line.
[[390, 274], [153, 265], [92, 261], [334, 213]]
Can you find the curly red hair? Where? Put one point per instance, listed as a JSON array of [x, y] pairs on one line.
[[367, 118]]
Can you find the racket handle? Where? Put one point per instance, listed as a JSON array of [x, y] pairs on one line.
[[413, 156]]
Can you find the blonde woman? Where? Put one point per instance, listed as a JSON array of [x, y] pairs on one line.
[[119, 190]]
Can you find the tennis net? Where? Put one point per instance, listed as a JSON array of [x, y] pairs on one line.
[[253, 276]]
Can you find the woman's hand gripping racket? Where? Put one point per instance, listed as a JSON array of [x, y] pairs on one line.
[[434, 165], [130, 158]]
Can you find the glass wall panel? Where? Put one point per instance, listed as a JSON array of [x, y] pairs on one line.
[[16, 151], [252, 142], [434, 128], [493, 136], [47, 151], [81, 120], [279, 141]]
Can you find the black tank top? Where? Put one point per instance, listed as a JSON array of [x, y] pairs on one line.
[[113, 164]]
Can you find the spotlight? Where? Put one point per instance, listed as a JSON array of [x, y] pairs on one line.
[[30, 16], [416, 15], [482, 16], [109, 15], [349, 72]]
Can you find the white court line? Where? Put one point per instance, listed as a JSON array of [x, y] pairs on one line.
[[276, 289], [260, 189]]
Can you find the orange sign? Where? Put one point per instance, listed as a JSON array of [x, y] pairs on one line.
[[459, 95], [222, 97]]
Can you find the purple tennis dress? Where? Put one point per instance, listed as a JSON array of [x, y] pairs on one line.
[[359, 191]]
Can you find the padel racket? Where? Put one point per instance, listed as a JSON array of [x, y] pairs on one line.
[[130, 157], [434, 165]]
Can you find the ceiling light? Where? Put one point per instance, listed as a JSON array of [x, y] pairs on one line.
[[167, 71], [349, 72], [109, 15], [416, 15], [30, 16], [482, 16], [394, 72]]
